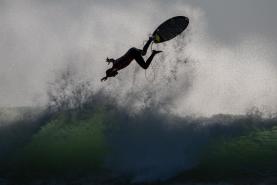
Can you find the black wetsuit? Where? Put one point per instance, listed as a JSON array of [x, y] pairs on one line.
[[136, 54], [128, 57]]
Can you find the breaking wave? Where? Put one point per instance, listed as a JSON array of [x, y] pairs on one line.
[[202, 91]]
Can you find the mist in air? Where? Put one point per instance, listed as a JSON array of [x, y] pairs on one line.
[[197, 74]]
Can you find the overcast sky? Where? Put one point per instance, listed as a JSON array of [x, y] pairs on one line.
[[37, 36], [229, 20]]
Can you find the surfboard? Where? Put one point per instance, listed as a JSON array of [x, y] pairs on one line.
[[170, 29]]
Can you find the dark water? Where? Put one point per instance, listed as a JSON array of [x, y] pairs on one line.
[[109, 146]]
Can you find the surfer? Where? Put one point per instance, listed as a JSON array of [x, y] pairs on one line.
[[165, 32], [128, 57]]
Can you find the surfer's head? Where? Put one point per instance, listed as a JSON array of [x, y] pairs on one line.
[[111, 72]]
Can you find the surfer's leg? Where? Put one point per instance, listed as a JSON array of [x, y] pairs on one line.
[[141, 61], [146, 46]]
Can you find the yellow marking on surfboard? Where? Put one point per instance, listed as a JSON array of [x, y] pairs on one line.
[[157, 38]]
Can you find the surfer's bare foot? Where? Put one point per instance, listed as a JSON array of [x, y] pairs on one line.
[[104, 79], [109, 60], [156, 52]]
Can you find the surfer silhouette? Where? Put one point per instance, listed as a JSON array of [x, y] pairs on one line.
[[165, 32], [132, 54]]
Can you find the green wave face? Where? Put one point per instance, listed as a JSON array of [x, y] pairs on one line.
[[63, 145], [145, 147], [253, 154]]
